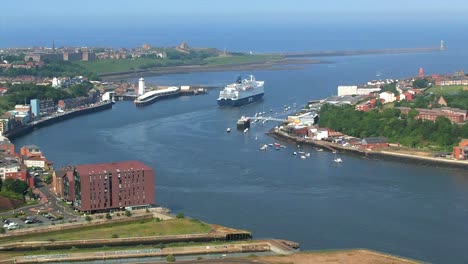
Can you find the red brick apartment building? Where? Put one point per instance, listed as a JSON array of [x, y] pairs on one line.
[[105, 186]]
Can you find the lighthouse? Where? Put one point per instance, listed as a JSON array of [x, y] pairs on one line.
[[141, 86]]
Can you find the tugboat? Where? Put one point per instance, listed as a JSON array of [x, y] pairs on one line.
[[243, 123]]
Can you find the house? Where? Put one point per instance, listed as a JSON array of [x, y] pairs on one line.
[[374, 142], [442, 101], [460, 152], [365, 107], [388, 97]]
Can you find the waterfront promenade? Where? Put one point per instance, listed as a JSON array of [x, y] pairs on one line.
[[56, 117]]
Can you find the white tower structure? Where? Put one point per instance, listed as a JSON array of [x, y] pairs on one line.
[[442, 46], [141, 86]]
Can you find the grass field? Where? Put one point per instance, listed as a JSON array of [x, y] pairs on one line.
[[113, 65], [138, 228], [11, 254], [125, 65], [437, 89]]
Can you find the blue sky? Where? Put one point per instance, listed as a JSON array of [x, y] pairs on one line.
[[20, 11]]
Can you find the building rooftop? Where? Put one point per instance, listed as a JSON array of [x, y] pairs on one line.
[[373, 140], [112, 166]]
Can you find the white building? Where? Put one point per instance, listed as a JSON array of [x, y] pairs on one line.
[[35, 162], [388, 97], [355, 90], [108, 96], [141, 86], [347, 90], [56, 83], [8, 168], [319, 133]]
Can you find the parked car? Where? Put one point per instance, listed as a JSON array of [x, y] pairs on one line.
[[10, 226]]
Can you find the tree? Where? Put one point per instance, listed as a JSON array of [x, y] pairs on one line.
[[390, 87], [88, 218], [16, 185], [412, 113], [1, 184], [108, 216], [180, 215], [128, 213], [170, 258], [420, 83]]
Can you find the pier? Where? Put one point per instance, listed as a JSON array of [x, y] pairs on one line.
[[332, 53]]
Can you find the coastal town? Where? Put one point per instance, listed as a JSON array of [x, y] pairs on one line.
[[305, 126], [46, 199]]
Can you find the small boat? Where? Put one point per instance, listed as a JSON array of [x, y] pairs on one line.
[[294, 153], [334, 152], [277, 144], [276, 148], [245, 130], [319, 149], [228, 130], [264, 147], [271, 144], [301, 152], [337, 160], [307, 154], [303, 157], [282, 146]]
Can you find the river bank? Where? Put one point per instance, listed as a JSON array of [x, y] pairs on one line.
[[389, 154], [23, 130]]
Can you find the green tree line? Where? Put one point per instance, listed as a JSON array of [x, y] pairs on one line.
[[21, 93], [393, 125], [52, 69]]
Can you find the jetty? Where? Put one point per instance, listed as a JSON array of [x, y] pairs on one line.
[[333, 53]]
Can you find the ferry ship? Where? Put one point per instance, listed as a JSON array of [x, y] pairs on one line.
[[152, 96], [242, 92]]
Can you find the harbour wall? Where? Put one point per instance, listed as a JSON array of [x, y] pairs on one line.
[[45, 122]]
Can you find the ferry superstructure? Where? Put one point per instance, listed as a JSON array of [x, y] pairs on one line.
[[242, 92]]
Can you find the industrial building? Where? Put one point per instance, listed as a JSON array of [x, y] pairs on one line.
[[106, 186]]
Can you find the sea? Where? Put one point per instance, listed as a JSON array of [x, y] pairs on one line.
[[414, 211]]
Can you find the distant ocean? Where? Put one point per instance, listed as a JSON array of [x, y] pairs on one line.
[[259, 37]]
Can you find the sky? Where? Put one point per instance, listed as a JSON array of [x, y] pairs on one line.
[[270, 11]]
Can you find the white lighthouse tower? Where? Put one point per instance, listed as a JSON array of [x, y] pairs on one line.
[[141, 86]]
